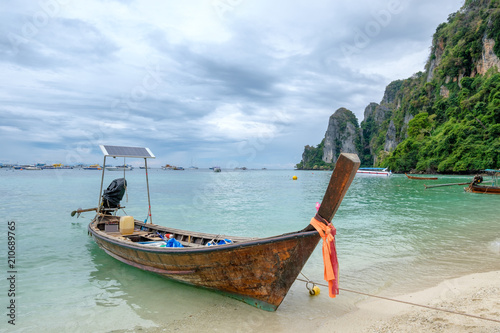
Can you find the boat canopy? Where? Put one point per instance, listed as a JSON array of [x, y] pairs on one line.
[[121, 151]]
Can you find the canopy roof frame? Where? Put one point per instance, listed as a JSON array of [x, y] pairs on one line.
[[131, 152]]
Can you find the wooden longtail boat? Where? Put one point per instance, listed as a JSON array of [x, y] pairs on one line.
[[475, 188], [258, 271], [421, 178], [476, 185]]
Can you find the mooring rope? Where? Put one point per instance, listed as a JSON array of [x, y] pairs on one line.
[[399, 301]]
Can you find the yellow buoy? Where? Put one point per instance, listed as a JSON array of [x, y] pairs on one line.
[[294, 177], [314, 291]]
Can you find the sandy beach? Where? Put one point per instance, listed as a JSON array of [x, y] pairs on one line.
[[475, 294]]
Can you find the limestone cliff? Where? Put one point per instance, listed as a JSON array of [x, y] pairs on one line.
[[378, 120], [390, 138], [435, 60], [488, 57], [342, 135]]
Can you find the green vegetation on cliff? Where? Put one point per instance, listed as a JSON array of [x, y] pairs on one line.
[[456, 114], [460, 133], [312, 159], [446, 119]]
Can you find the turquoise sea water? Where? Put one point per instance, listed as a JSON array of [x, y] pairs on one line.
[[393, 236]]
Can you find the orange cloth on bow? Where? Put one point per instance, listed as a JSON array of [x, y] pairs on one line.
[[327, 233]]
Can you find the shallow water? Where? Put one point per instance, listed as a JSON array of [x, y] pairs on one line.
[[393, 236]]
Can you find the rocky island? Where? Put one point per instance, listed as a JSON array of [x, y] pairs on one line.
[[445, 119]]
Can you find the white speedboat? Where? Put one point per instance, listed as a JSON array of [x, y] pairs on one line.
[[119, 168], [374, 172]]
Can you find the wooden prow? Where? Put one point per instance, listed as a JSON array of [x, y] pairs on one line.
[[342, 176]]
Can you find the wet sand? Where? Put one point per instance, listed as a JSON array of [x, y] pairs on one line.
[[476, 294]]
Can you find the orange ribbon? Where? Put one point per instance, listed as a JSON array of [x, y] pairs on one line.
[[327, 233]]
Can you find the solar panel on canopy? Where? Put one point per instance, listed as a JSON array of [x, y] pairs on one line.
[[121, 151]]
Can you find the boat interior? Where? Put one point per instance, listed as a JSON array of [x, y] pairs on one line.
[[156, 236]]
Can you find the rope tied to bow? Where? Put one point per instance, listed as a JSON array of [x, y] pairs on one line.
[[327, 232]]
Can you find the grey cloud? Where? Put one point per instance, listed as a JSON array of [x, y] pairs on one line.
[[57, 42], [84, 86]]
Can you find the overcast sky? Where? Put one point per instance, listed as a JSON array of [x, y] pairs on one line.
[[204, 82]]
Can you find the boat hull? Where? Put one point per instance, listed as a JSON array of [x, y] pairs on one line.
[[119, 168], [259, 271], [474, 188], [421, 178], [374, 173]]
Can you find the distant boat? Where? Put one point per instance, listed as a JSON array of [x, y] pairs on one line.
[[48, 167], [374, 172], [59, 166], [93, 167], [217, 169], [171, 167], [120, 168], [192, 167], [32, 167], [26, 167], [421, 178]]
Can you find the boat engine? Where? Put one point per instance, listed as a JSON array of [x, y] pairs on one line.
[[112, 196], [477, 179]]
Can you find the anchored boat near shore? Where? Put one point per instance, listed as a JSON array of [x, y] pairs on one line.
[[258, 271], [477, 186], [421, 178]]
